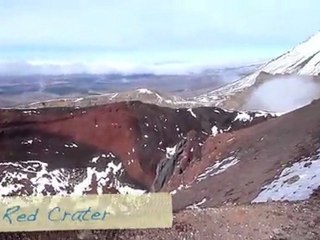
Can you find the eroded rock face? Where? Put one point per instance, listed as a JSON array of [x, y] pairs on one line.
[[119, 147], [277, 160]]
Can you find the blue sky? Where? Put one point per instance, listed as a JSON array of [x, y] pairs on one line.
[[153, 30]]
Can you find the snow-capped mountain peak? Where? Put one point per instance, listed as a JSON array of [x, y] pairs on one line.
[[303, 59]]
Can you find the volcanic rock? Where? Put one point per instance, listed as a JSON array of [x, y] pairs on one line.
[[123, 147]]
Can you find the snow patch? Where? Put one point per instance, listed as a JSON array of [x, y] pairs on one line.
[[113, 96], [78, 99], [192, 113], [214, 130], [71, 145], [95, 159], [26, 142], [171, 151], [218, 167], [144, 91], [243, 117], [196, 206], [261, 114], [129, 190], [181, 187], [294, 183], [30, 112], [35, 175]]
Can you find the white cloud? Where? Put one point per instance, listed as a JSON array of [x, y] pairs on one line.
[[135, 35], [143, 23], [284, 94]]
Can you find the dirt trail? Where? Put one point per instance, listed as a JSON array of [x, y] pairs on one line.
[[277, 221]]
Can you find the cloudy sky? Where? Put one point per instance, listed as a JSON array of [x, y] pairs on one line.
[[131, 31]]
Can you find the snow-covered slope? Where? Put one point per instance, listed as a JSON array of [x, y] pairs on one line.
[[296, 182], [302, 60]]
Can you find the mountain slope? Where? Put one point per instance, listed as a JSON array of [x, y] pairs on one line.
[[277, 159], [301, 60], [140, 94]]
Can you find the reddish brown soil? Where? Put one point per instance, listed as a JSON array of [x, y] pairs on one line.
[[263, 151], [132, 131]]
